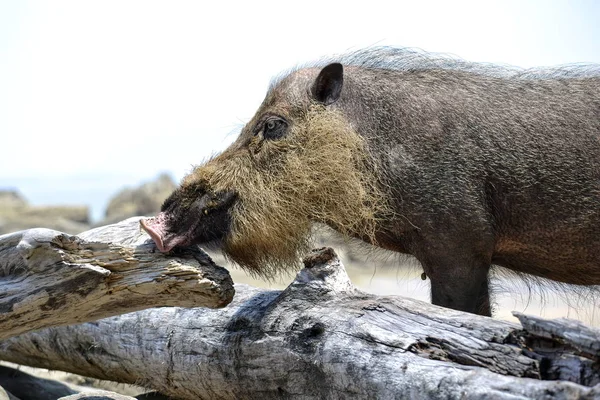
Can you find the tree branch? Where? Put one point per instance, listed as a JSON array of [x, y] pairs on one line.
[[319, 338], [49, 278]]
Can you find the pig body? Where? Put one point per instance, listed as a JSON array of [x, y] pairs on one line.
[[461, 165]]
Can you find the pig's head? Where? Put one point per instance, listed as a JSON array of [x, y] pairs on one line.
[[297, 162]]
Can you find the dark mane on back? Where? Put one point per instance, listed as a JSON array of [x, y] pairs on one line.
[[413, 60]]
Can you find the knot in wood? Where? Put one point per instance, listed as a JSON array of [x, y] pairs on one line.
[[324, 271], [319, 256]]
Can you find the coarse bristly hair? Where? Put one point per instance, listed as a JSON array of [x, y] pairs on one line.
[[321, 172], [413, 59]]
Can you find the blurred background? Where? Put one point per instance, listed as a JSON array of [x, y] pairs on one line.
[[106, 105]]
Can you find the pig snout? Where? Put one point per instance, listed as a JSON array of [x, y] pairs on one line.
[[203, 220], [155, 227]]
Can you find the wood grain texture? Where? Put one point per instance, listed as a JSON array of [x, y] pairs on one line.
[[49, 278], [320, 338]]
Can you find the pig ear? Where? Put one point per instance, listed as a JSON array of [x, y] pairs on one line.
[[328, 85]]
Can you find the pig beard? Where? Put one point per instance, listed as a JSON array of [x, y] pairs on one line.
[[320, 173]]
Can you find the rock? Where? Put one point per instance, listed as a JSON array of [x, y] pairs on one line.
[[25, 386], [17, 223], [144, 200], [11, 199], [77, 214], [4, 395], [16, 214], [73, 383]]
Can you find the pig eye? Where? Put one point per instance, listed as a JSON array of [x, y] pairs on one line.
[[274, 128]]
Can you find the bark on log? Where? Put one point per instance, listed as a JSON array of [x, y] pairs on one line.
[[321, 339], [49, 278]]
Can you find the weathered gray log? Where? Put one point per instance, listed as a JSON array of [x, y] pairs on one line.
[[318, 339], [567, 349], [49, 278], [98, 395]]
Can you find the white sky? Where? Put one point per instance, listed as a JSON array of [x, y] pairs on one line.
[[98, 94]]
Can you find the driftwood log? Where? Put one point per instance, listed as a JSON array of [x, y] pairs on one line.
[[323, 339], [49, 278]]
